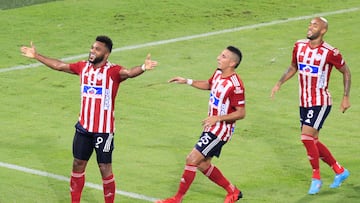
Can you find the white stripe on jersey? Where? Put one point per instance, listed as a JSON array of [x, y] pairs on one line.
[[109, 105], [101, 120], [84, 109]]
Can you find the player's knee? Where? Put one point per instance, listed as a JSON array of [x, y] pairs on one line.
[[79, 165]]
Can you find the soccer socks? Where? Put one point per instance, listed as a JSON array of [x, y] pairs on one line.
[[328, 158], [109, 188], [77, 182], [215, 175], [313, 154], [186, 180]]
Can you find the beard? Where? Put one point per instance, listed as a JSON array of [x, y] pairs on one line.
[[95, 59], [313, 36]]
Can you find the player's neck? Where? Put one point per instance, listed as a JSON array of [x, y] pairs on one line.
[[227, 72], [99, 65], [315, 43]]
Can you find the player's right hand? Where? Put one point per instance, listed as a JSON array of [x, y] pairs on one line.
[[179, 80], [274, 90], [29, 52]]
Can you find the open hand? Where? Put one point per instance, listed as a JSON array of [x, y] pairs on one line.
[[29, 52]]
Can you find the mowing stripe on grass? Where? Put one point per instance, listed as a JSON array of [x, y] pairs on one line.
[[63, 178], [132, 47]]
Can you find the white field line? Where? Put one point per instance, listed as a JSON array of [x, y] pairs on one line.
[[63, 178], [132, 47]]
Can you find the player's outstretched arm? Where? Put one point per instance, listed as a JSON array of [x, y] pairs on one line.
[[200, 84], [55, 64], [138, 70]]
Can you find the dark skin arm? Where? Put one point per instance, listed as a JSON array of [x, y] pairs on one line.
[[138, 70], [345, 103], [290, 72], [52, 63]]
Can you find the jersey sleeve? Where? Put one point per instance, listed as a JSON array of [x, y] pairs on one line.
[[237, 96], [294, 53], [77, 67], [116, 73], [336, 59]]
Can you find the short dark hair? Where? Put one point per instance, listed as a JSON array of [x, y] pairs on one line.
[[106, 40], [237, 52]]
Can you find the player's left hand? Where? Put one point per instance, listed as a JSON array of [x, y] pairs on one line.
[[209, 121], [150, 64], [345, 104]]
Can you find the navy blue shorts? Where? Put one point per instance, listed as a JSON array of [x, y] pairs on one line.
[[85, 142], [314, 116], [209, 145]]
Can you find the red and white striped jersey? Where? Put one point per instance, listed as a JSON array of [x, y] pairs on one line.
[[225, 94], [314, 66], [98, 90]]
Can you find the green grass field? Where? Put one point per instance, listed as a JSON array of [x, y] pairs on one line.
[[158, 123]]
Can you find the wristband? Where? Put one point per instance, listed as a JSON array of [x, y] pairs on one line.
[[143, 67], [189, 81]]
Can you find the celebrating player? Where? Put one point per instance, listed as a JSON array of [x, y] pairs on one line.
[[226, 105], [99, 83], [313, 59]]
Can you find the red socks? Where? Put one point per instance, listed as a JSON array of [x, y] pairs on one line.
[[328, 158], [215, 175], [313, 154], [109, 188], [315, 150], [77, 182], [186, 180]]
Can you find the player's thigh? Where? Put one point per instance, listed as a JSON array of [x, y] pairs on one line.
[[82, 146]]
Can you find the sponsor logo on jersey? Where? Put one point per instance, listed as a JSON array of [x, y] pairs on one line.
[[213, 100], [92, 91], [307, 69]]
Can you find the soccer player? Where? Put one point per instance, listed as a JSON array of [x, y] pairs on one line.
[[226, 105], [99, 83], [314, 59]]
